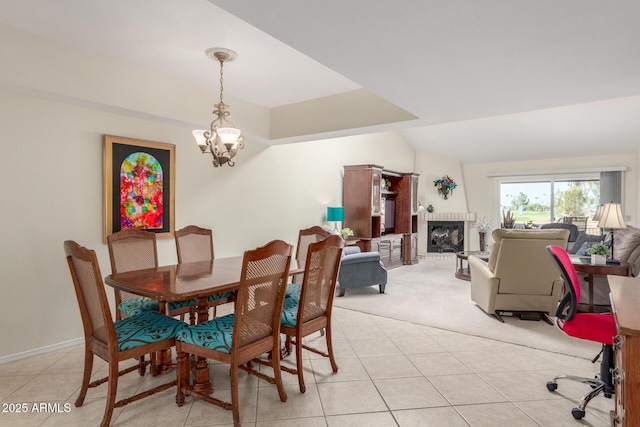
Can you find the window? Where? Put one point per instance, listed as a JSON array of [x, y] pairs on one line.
[[534, 201]]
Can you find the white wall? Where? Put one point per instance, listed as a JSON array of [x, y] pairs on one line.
[[431, 167]]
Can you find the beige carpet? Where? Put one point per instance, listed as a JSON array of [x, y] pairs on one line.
[[429, 294]]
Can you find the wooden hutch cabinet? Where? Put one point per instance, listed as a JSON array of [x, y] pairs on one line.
[[625, 299], [383, 217]]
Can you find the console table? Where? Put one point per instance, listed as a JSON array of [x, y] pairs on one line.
[[625, 300]]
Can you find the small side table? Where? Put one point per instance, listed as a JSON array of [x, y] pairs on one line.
[[462, 258], [583, 265]]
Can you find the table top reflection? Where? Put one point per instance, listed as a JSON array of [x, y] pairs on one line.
[[184, 281]]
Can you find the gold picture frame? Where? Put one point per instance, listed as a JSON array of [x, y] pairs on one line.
[[139, 185]]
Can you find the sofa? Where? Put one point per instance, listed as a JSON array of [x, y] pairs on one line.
[[359, 269], [626, 248]]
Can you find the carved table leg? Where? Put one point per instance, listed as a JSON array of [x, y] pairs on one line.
[[202, 383]]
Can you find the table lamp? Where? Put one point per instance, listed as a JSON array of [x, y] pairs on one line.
[[598, 214], [335, 214], [611, 219]]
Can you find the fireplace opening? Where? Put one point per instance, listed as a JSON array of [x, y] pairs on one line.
[[445, 236]]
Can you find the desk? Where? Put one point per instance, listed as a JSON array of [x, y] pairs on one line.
[[583, 265], [185, 281], [463, 272]]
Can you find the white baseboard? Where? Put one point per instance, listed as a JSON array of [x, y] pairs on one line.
[[41, 350]]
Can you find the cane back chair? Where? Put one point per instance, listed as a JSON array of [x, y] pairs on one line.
[[133, 249], [133, 337], [195, 244], [252, 330], [311, 311]]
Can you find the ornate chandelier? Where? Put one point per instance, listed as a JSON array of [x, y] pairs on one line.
[[222, 140]]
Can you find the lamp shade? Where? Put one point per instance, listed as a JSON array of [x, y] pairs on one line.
[[612, 217], [335, 213], [598, 214]]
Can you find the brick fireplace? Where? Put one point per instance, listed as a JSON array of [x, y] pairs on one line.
[[446, 231]]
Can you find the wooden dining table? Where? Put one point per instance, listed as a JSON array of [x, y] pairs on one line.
[[185, 281]]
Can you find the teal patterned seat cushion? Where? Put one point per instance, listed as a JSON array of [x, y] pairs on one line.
[[138, 306], [290, 312], [221, 295], [174, 305], [293, 291], [214, 334], [148, 327], [134, 307]]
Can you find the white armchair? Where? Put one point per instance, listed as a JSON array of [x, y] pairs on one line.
[[520, 276]]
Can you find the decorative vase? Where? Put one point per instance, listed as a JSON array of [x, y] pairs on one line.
[[598, 259], [481, 235], [430, 208]]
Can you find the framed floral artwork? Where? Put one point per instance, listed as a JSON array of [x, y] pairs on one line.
[[139, 185]]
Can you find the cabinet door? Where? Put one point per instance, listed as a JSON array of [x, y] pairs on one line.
[[376, 192], [411, 248], [383, 247], [396, 250], [414, 195]]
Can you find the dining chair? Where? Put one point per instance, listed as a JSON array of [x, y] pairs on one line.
[[133, 249], [305, 238], [195, 244], [311, 312], [133, 337], [598, 327], [252, 330]]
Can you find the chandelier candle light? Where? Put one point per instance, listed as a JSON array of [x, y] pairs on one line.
[[445, 185], [222, 140]]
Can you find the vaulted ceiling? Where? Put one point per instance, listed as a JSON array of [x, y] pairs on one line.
[[494, 80]]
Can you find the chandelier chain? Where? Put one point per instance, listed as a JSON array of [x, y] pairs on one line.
[[221, 79]]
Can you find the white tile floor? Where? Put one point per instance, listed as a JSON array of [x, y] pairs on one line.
[[391, 373]]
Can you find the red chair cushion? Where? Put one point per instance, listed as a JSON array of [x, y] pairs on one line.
[[591, 326]]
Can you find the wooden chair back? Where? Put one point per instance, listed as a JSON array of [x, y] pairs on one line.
[[194, 244], [261, 293], [97, 322], [305, 238], [129, 250], [320, 279]]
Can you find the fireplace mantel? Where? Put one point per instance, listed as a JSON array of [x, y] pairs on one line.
[[452, 216]]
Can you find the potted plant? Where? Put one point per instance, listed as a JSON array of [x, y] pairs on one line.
[[507, 219], [599, 253], [346, 233]]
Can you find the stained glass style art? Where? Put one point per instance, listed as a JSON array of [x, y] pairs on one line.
[[141, 191]]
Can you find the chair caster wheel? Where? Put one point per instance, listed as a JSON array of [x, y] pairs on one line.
[[551, 386], [578, 414]]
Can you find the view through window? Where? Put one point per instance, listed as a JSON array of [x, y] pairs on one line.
[[532, 203]]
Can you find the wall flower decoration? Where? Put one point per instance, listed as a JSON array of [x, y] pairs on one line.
[[445, 185]]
